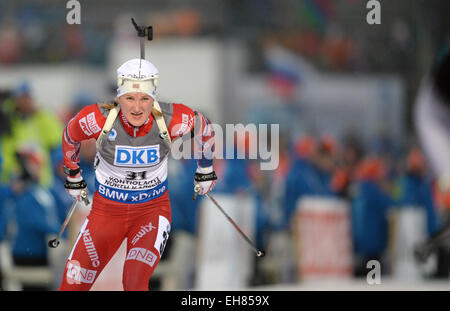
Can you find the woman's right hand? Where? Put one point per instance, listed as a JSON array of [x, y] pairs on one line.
[[75, 185]]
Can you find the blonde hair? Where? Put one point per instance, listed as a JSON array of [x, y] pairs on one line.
[[109, 105]]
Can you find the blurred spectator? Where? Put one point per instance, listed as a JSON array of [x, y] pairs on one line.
[[348, 159], [324, 162], [416, 189], [297, 180], [5, 124], [30, 126], [35, 216], [5, 193], [369, 207], [5, 113], [7, 190], [311, 171]]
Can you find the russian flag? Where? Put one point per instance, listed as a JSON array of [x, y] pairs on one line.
[[283, 79]]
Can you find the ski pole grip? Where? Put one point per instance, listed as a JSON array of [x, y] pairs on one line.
[[196, 190], [84, 197]]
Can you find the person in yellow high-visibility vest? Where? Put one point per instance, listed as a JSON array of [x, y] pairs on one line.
[[30, 128]]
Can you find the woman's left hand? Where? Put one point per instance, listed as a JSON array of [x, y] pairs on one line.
[[205, 178]]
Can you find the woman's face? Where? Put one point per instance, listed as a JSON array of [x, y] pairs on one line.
[[136, 107]]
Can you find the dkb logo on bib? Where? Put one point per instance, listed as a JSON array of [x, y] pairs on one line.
[[136, 156]]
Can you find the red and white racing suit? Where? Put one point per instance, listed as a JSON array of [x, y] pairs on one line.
[[131, 198]]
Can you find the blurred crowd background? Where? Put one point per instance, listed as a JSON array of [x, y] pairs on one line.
[[352, 185]]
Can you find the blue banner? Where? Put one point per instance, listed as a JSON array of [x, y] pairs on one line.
[[131, 196]]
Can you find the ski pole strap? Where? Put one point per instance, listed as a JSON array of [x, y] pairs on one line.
[[75, 185], [205, 177]]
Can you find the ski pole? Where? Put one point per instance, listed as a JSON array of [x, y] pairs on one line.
[[55, 242], [259, 253]]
